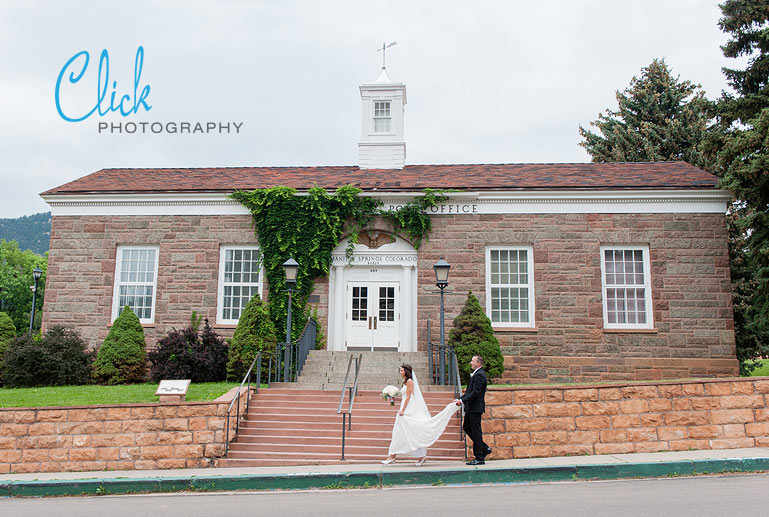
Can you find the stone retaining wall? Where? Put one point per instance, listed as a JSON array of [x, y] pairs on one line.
[[670, 416], [114, 437]]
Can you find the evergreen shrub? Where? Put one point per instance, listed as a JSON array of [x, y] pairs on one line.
[[472, 335], [59, 358], [122, 358], [190, 354], [255, 332]]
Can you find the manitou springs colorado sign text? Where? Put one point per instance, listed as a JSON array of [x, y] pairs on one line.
[[113, 100]]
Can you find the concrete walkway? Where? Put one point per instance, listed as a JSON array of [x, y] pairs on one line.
[[617, 466]]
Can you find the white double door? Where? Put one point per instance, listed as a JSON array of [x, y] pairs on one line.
[[373, 315]]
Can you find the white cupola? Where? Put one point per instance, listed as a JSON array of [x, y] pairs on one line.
[[381, 143]]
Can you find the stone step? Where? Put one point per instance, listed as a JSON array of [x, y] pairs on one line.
[[335, 452], [290, 390], [298, 460], [289, 425]]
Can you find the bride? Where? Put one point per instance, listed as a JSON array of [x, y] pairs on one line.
[[414, 429]]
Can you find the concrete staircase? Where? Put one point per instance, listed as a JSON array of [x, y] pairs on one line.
[[326, 370], [297, 423], [301, 427]]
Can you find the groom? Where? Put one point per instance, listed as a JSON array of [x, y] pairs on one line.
[[474, 400]]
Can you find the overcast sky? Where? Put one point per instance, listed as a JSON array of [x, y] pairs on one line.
[[487, 82]]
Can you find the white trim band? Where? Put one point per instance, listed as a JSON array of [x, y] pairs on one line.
[[460, 203]]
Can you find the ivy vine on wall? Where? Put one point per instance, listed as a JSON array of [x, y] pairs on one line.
[[309, 226]]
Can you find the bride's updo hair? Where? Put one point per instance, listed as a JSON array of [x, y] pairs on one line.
[[408, 370]]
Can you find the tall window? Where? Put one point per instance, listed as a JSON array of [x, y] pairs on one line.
[[136, 272], [240, 278], [510, 286], [381, 116], [626, 287]]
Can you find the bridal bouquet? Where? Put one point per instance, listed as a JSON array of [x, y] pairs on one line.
[[389, 393]]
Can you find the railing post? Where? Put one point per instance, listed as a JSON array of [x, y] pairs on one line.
[[286, 352], [227, 436], [443, 344], [344, 424]]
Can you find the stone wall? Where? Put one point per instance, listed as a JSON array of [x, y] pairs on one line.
[[672, 416], [114, 437], [693, 334]]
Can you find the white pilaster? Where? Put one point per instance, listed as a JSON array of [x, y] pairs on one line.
[[407, 320], [338, 303]]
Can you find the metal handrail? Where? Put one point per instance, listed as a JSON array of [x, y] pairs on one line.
[[347, 417], [457, 394], [257, 361]]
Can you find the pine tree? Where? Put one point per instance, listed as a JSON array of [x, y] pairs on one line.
[[122, 357], [660, 118], [741, 137], [472, 335]]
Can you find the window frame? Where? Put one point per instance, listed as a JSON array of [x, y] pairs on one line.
[[220, 280], [529, 285], [648, 306], [389, 118], [116, 308]]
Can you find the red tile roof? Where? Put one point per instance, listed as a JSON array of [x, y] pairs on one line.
[[637, 175]]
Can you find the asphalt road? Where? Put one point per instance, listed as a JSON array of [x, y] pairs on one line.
[[702, 496]]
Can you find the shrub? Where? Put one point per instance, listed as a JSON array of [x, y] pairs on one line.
[[188, 354], [59, 358], [472, 335], [7, 333], [122, 357], [255, 332]]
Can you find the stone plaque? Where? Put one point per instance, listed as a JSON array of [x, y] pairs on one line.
[[173, 390]]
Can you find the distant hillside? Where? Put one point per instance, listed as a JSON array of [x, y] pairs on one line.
[[32, 232]]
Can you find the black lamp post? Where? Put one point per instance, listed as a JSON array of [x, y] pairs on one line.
[[290, 268], [36, 274], [441, 281]]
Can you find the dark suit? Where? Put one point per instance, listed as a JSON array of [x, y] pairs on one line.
[[474, 400]]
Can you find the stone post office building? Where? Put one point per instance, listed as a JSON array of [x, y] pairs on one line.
[[587, 271]]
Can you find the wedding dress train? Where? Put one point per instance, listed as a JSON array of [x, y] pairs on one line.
[[416, 430]]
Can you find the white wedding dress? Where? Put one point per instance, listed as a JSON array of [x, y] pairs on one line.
[[416, 430]]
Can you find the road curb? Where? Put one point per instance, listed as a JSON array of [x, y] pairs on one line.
[[375, 479]]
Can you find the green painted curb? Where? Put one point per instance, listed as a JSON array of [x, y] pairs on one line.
[[479, 475], [338, 480]]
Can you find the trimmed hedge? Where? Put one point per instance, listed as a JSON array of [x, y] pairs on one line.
[[472, 335], [122, 358], [255, 332]]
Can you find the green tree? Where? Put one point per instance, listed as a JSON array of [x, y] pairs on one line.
[[15, 280], [255, 332], [7, 333], [741, 139], [660, 118], [122, 358], [472, 335]]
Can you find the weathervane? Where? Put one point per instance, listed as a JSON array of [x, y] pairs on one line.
[[384, 50]]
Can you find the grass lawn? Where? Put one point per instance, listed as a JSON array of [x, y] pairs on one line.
[[95, 395], [762, 370]]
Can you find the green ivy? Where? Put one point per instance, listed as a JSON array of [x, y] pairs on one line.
[[309, 226], [411, 217]]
